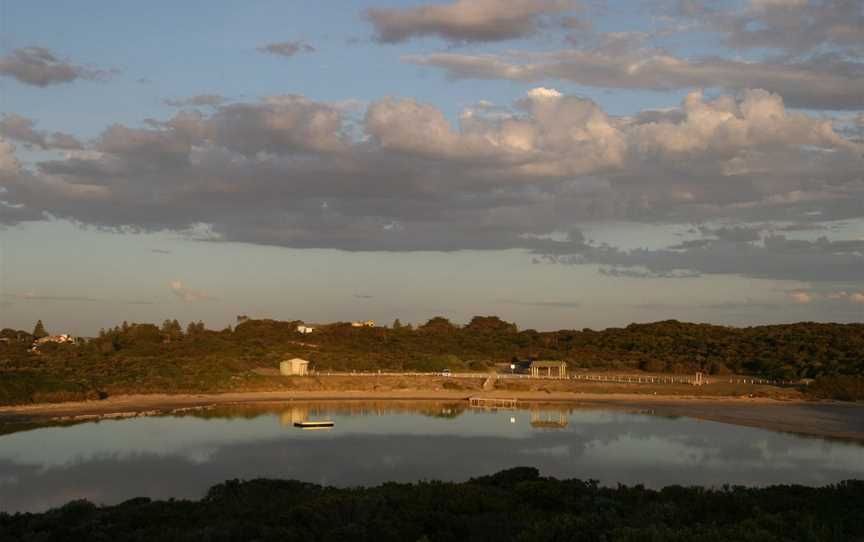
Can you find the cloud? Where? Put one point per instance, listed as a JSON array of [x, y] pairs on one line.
[[287, 48], [773, 257], [186, 294], [801, 298], [638, 271], [809, 52], [196, 101], [161, 251], [293, 172], [823, 82], [465, 20], [842, 297], [41, 67], [795, 27], [22, 129], [8, 161], [363, 296]]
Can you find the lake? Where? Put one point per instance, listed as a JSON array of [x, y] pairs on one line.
[[181, 455]]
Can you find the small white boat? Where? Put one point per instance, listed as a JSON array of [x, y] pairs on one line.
[[314, 424]]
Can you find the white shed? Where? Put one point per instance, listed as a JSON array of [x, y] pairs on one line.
[[294, 367]]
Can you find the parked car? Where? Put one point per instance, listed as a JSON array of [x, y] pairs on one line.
[[446, 372]]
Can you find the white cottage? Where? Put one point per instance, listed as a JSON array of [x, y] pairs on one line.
[[294, 367]]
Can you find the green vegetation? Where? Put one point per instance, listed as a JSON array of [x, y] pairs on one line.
[[143, 358], [515, 504], [841, 388], [39, 330]]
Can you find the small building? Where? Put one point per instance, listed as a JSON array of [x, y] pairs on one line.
[[305, 330], [367, 323], [294, 367], [548, 369], [61, 339]]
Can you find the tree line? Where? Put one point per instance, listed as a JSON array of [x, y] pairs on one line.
[[141, 357], [515, 504]]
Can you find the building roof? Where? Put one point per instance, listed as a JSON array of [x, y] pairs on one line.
[[297, 360]]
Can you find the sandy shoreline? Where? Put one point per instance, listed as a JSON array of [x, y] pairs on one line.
[[823, 419]]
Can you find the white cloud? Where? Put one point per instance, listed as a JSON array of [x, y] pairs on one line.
[[465, 20], [186, 294], [800, 297], [542, 92]]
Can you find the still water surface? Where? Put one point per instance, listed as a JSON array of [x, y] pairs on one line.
[[182, 455]]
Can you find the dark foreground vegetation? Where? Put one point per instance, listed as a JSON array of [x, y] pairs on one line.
[[515, 504], [148, 358]]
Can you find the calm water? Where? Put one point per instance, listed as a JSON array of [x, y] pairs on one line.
[[181, 456]]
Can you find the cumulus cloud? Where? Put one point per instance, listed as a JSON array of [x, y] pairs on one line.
[[287, 48], [290, 171], [41, 67], [186, 294], [824, 82], [465, 20], [22, 129]]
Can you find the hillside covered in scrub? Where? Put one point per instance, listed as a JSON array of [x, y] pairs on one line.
[[148, 358]]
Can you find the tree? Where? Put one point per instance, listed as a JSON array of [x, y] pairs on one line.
[[490, 324], [397, 324], [171, 330], [194, 328], [39, 330], [438, 324]]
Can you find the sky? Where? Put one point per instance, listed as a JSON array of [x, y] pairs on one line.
[[559, 163]]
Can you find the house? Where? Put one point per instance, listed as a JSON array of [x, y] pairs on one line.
[[367, 323], [305, 330], [64, 338], [294, 367], [548, 369], [59, 339]]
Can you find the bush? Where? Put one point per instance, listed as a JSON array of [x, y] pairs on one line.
[[840, 388], [516, 504]]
